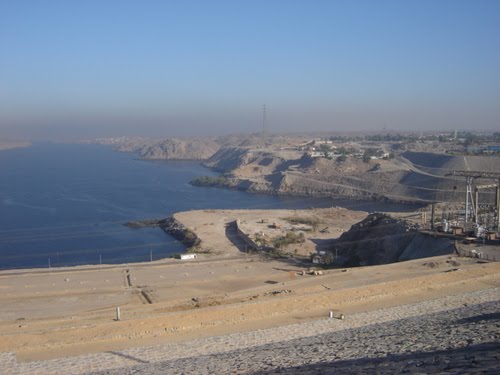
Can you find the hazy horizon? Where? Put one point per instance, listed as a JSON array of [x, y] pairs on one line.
[[71, 70]]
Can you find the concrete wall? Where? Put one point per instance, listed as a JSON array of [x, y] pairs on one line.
[[245, 237]]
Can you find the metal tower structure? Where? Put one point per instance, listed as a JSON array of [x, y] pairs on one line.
[[472, 193], [264, 120]]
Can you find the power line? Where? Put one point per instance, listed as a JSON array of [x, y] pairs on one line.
[[264, 125], [84, 251], [95, 223], [476, 174], [59, 236]]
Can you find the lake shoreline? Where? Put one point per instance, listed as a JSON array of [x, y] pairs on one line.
[[75, 216]]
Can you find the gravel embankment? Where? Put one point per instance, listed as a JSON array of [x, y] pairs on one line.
[[464, 340], [455, 334]]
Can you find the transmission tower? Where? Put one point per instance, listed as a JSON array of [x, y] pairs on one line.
[[264, 119], [472, 200]]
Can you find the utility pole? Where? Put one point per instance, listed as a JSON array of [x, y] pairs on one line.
[[264, 119], [468, 193], [432, 216], [497, 204]]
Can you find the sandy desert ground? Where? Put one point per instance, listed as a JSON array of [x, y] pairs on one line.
[[64, 312]]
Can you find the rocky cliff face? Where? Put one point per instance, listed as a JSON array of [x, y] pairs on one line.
[[249, 165], [294, 173], [176, 149], [170, 148], [381, 239], [418, 177], [228, 159]]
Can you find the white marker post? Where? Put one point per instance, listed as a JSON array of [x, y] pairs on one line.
[[118, 314], [331, 314]]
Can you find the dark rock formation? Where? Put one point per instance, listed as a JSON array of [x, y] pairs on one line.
[[170, 226], [381, 239]]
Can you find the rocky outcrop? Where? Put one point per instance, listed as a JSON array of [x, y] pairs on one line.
[[181, 150], [264, 171], [169, 148], [177, 230], [172, 227], [381, 239], [419, 177], [228, 159]]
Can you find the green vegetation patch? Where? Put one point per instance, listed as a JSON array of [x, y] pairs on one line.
[[288, 239], [218, 181], [314, 222]]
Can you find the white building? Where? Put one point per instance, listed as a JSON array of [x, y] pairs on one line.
[[188, 256]]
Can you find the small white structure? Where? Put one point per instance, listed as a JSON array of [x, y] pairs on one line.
[[316, 154], [188, 256]]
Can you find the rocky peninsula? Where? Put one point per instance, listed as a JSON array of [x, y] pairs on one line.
[[170, 226]]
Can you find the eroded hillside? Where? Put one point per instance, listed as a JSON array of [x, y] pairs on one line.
[[298, 166], [410, 176], [170, 148]]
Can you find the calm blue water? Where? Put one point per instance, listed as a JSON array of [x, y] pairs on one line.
[[66, 204]]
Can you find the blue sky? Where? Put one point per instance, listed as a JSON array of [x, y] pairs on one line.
[[95, 68]]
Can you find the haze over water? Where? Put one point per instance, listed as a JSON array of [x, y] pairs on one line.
[[66, 204]]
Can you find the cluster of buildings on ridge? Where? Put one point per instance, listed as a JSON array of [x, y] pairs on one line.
[[319, 148]]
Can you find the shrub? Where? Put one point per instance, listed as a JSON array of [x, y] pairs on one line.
[[288, 239], [342, 158], [210, 181], [312, 221]]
